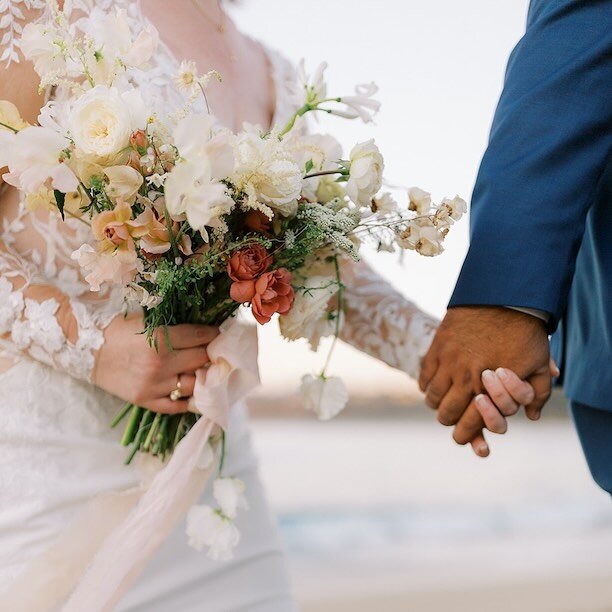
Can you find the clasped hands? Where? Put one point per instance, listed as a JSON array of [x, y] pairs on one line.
[[484, 363]]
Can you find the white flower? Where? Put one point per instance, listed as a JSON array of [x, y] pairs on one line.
[[34, 156], [309, 317], [326, 397], [420, 201], [139, 294], [422, 236], [308, 89], [101, 268], [384, 204], [187, 78], [191, 190], [40, 45], [229, 493], [361, 105], [209, 528], [455, 208], [113, 43], [266, 171], [102, 120], [123, 183], [366, 172]]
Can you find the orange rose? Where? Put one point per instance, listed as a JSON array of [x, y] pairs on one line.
[[273, 293], [248, 263], [256, 221]]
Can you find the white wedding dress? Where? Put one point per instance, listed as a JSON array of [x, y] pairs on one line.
[[57, 452]]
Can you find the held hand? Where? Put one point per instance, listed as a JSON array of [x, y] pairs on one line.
[[128, 367], [471, 340], [505, 394]]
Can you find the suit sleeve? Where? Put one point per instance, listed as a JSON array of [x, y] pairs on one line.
[[550, 140]]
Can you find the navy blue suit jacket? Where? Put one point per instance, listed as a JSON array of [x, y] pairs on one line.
[[541, 222]]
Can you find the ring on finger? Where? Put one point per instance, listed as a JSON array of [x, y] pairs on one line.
[[177, 393]]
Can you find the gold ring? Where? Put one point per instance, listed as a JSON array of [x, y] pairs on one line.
[[177, 394]]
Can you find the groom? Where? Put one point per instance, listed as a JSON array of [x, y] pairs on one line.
[[540, 259]]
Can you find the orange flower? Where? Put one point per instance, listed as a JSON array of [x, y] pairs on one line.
[[248, 263], [270, 293]]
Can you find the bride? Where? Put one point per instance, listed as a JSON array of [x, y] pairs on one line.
[[69, 359]]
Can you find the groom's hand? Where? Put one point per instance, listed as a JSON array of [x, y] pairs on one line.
[[477, 338]]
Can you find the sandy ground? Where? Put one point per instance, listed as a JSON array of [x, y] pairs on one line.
[[389, 515]]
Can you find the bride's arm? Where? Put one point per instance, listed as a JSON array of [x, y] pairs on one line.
[[381, 322]]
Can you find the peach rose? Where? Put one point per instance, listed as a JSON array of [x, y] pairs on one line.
[[270, 293], [248, 263], [115, 230]]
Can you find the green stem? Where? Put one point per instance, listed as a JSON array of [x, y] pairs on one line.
[[121, 414], [299, 113], [222, 458], [338, 317], [152, 432], [326, 173], [130, 430], [171, 233], [144, 425]]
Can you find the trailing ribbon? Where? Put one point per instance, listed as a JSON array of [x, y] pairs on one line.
[[232, 374]]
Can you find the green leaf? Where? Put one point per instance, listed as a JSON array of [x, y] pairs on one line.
[[309, 166], [60, 199]]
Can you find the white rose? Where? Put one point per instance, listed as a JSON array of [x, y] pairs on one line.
[[209, 528], [309, 316], [123, 183], [229, 493], [366, 172], [102, 120], [266, 171], [326, 397]]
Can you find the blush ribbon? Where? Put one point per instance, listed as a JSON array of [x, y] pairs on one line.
[[232, 374]]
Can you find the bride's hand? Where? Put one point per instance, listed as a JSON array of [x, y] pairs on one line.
[[128, 367], [506, 393]]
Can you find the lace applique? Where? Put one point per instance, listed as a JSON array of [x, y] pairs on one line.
[[12, 21], [382, 322]]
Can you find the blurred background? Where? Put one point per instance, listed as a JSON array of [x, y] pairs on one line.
[[379, 509]]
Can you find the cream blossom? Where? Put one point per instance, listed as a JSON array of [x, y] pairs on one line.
[[145, 299], [229, 494], [123, 183], [108, 267], [310, 316], [422, 236], [35, 157], [419, 201], [361, 105], [308, 89], [326, 397], [103, 119], [365, 174], [266, 171], [384, 204], [208, 528], [455, 208], [41, 45]]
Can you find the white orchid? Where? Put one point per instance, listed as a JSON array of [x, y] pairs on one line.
[[208, 528], [229, 494], [325, 396], [365, 174], [35, 156]]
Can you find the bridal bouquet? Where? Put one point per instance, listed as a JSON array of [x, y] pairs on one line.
[[194, 221]]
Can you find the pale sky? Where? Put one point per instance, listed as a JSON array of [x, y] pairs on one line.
[[440, 66]]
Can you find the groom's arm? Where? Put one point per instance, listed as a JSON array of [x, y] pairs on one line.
[[549, 143]]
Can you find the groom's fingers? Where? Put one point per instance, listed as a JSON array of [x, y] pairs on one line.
[[480, 446], [454, 404], [437, 388], [542, 386], [469, 426], [429, 366]]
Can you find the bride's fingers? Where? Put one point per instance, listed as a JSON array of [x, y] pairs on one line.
[[494, 420], [166, 406], [480, 446], [187, 384], [506, 390]]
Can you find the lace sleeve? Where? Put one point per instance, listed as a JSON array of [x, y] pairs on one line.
[[383, 323], [12, 22], [46, 311]]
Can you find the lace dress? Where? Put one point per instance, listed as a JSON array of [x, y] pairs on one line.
[[57, 452]]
